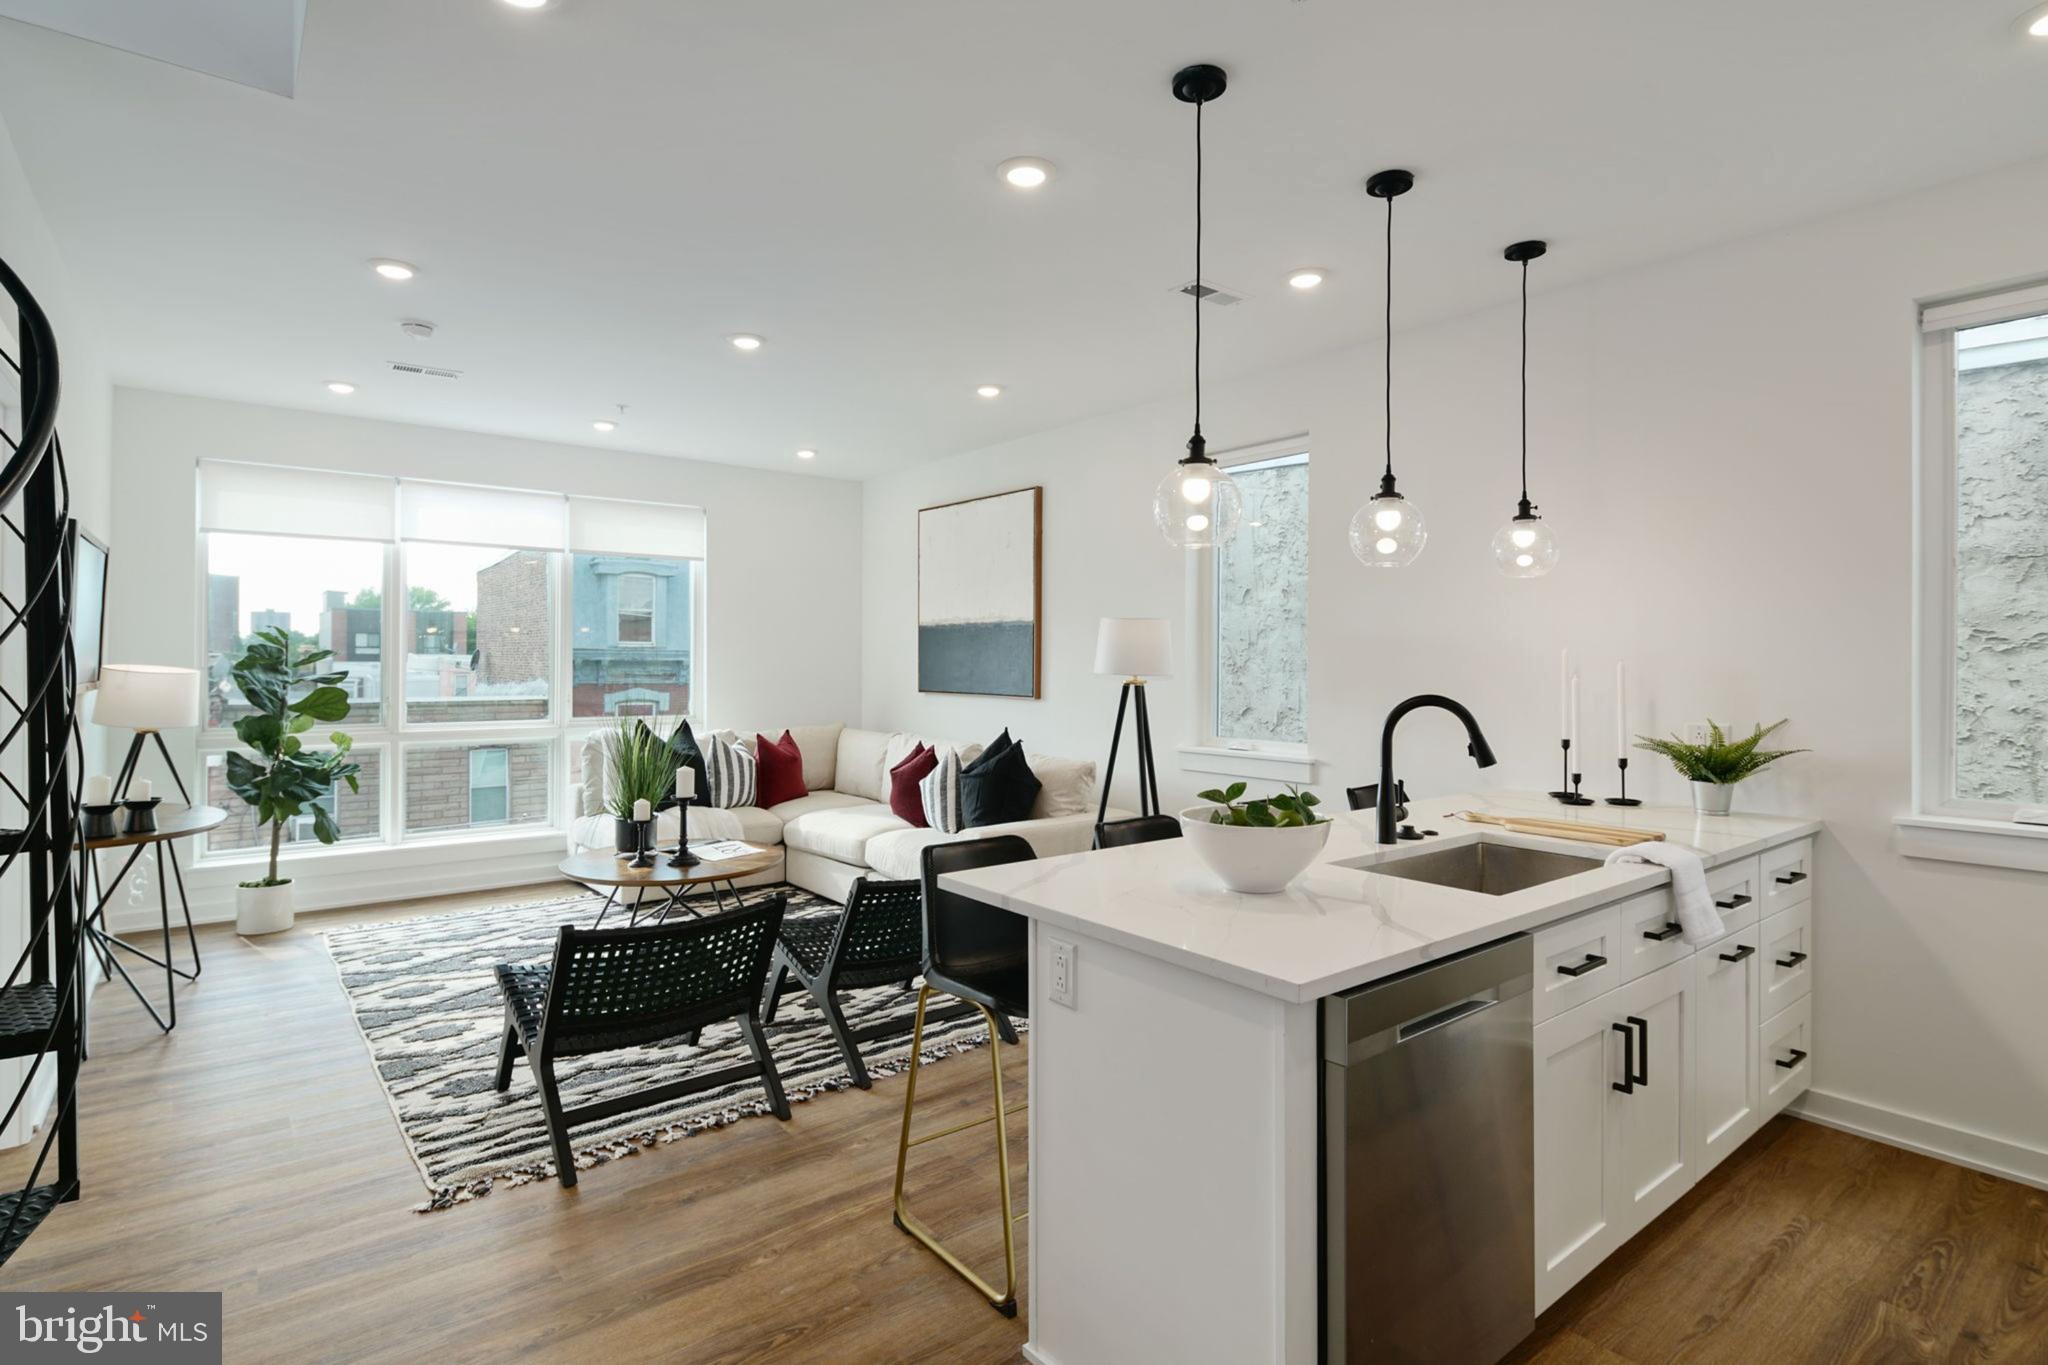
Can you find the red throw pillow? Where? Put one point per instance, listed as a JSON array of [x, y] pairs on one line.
[[778, 770], [904, 798]]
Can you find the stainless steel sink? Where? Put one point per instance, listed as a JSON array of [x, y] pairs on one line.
[[1490, 869]]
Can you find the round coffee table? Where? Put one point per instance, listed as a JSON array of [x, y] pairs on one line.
[[618, 873]]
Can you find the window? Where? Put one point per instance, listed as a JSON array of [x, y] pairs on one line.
[[1257, 634], [490, 786], [317, 590], [1982, 679], [481, 623], [358, 813], [634, 632], [636, 609]]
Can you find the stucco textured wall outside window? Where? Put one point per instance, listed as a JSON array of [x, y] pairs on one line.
[[1262, 608]]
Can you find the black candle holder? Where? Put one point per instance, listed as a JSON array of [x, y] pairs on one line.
[[99, 822], [1624, 799], [142, 814], [1572, 797], [643, 856], [1567, 791], [683, 857]]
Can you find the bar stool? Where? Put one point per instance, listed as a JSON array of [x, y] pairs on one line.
[[980, 954], [1139, 829]]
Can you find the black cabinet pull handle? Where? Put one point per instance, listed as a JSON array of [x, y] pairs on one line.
[[1792, 960], [1740, 953], [1796, 1058], [1669, 931], [1734, 902], [1592, 960], [1627, 1084], [1642, 1050], [1791, 877]]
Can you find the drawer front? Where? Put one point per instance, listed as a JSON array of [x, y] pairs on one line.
[[1650, 938], [1738, 893], [1787, 876], [1784, 1058], [1577, 959], [1788, 958]]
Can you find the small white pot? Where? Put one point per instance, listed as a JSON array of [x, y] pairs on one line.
[[263, 909], [1252, 860], [1712, 798]]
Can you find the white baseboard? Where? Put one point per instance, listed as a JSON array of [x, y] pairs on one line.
[[1036, 1355], [1977, 1151]]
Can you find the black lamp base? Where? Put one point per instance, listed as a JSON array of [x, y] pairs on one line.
[[1148, 772]]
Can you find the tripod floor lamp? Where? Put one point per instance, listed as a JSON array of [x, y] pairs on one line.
[[1134, 648], [148, 699]]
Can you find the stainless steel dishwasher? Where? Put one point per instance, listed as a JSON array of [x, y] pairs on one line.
[[1428, 1179]]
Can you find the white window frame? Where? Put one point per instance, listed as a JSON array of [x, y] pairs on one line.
[[1205, 751], [619, 612], [1942, 825]]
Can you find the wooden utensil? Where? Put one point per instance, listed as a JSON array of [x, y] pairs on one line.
[[1614, 836]]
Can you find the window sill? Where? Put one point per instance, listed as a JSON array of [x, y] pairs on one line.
[[420, 848], [1957, 839], [1271, 764]]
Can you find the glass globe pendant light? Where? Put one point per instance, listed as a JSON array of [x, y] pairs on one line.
[[1389, 532], [1197, 505], [1525, 547]]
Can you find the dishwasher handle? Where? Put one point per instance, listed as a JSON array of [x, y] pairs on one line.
[[1445, 1017]]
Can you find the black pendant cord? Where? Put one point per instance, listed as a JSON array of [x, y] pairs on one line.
[[1525, 384], [1198, 266], [1390, 343]]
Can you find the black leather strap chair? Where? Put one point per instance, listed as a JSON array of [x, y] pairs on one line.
[[614, 988], [1140, 829], [980, 954], [876, 940]]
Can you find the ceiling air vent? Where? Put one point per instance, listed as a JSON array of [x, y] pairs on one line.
[[425, 371], [1209, 293]]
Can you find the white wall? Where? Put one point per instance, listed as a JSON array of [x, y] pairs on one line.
[[83, 423], [1724, 445], [783, 568]]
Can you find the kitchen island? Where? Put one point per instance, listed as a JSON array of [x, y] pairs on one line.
[[1174, 1101]]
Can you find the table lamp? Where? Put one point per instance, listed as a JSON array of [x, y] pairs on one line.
[[148, 699], [1134, 648]]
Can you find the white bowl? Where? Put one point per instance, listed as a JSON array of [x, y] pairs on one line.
[[1251, 859]]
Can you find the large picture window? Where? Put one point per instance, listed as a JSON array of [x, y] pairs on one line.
[[1258, 618], [474, 669]]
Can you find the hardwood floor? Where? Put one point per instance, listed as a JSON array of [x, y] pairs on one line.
[[252, 1151]]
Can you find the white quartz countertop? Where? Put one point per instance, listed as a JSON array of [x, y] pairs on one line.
[[1337, 927]]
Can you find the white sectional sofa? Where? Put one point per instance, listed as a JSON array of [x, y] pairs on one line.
[[844, 828]]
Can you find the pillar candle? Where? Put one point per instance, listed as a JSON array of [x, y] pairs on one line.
[[140, 789], [642, 811], [686, 784], [99, 790]]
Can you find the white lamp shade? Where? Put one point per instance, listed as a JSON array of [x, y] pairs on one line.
[[1133, 647], [147, 697]]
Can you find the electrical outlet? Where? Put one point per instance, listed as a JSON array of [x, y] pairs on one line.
[[1060, 958], [1696, 732]]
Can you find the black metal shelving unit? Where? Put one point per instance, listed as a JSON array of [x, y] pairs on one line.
[[42, 996]]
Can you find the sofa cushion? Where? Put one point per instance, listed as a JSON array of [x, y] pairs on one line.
[[590, 764], [858, 769], [778, 770], [939, 792], [897, 854], [842, 832], [998, 788], [904, 779], [733, 773], [820, 745], [1066, 786]]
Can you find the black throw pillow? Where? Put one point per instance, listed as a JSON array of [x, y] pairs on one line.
[[1000, 792], [987, 757], [683, 746]]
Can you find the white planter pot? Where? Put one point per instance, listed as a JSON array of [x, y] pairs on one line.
[[1257, 861], [1712, 798], [263, 909]]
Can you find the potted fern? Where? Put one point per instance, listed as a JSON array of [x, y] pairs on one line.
[[1716, 766], [289, 779], [643, 768]]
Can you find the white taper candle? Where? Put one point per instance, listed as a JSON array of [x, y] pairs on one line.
[[1621, 710], [1564, 690]]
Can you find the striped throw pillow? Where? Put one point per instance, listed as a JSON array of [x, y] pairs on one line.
[[729, 772], [940, 792]]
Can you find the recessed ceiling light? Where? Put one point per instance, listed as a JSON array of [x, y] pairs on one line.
[[601, 424], [527, 4], [2034, 23], [1025, 172], [394, 270], [1308, 278], [807, 454], [745, 341], [990, 390], [340, 387]]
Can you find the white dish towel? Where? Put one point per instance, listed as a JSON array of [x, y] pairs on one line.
[[1696, 913]]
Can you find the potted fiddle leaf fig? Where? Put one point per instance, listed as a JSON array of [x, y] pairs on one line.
[[1716, 766], [286, 779]]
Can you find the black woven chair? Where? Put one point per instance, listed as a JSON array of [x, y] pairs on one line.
[[878, 939], [981, 954], [615, 988], [1139, 829]]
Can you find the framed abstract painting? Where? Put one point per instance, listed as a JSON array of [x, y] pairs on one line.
[[978, 595]]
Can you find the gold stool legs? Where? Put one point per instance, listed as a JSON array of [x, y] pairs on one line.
[[1004, 1301]]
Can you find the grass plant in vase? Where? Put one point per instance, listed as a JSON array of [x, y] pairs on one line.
[[642, 768], [1716, 766]]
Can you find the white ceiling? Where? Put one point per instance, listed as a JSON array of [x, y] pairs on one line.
[[255, 42], [597, 194]]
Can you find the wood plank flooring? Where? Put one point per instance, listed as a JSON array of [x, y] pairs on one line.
[[252, 1151]]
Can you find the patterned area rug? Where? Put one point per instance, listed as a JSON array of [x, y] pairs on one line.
[[424, 997]]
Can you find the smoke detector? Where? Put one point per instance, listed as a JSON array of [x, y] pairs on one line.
[[418, 330]]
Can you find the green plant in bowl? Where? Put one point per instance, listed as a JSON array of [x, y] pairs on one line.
[[1290, 809]]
